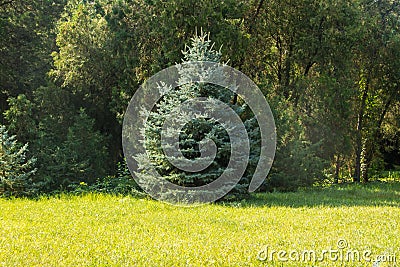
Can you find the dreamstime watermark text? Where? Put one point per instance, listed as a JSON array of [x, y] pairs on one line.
[[341, 253]]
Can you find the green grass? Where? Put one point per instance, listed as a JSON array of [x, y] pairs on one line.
[[102, 230]]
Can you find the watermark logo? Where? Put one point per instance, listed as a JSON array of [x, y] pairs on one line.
[[342, 253], [155, 89]]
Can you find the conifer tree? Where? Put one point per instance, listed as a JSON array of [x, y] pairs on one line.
[[197, 129], [15, 168]]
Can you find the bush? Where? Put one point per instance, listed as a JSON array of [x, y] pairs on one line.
[[296, 161], [78, 158], [120, 184]]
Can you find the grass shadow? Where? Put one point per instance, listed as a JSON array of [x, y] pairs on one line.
[[375, 193]]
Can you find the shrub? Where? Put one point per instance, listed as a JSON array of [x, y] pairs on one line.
[[296, 161], [120, 184]]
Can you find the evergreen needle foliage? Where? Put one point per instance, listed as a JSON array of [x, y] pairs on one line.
[[199, 127], [15, 168]]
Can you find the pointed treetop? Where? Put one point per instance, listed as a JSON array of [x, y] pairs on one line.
[[201, 49]]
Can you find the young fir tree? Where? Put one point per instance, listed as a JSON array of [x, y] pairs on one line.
[[80, 158], [15, 168], [197, 129]]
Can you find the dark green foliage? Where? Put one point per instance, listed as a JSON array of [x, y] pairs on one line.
[[120, 184], [20, 118], [68, 147], [296, 162], [331, 64], [81, 156], [27, 39]]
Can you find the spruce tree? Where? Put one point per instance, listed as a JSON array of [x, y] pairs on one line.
[[15, 168], [80, 158], [196, 130]]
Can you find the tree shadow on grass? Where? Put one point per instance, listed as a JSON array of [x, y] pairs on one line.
[[385, 194]]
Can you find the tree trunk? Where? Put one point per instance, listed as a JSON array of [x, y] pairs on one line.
[[253, 20], [250, 30], [280, 60], [369, 147], [337, 170], [357, 170], [364, 162], [364, 171], [3, 107]]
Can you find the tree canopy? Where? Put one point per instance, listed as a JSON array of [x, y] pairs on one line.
[[329, 69]]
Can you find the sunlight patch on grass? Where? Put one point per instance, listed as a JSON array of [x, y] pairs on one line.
[[102, 230]]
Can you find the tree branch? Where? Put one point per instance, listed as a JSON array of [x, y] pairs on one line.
[[4, 3]]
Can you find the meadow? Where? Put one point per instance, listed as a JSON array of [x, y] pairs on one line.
[[344, 225]]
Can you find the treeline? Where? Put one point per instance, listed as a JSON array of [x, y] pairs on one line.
[[329, 69]]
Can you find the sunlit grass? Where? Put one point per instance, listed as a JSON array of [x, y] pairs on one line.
[[102, 230]]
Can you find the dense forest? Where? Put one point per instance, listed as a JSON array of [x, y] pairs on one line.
[[330, 71]]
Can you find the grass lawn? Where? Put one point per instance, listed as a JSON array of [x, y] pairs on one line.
[[348, 225]]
